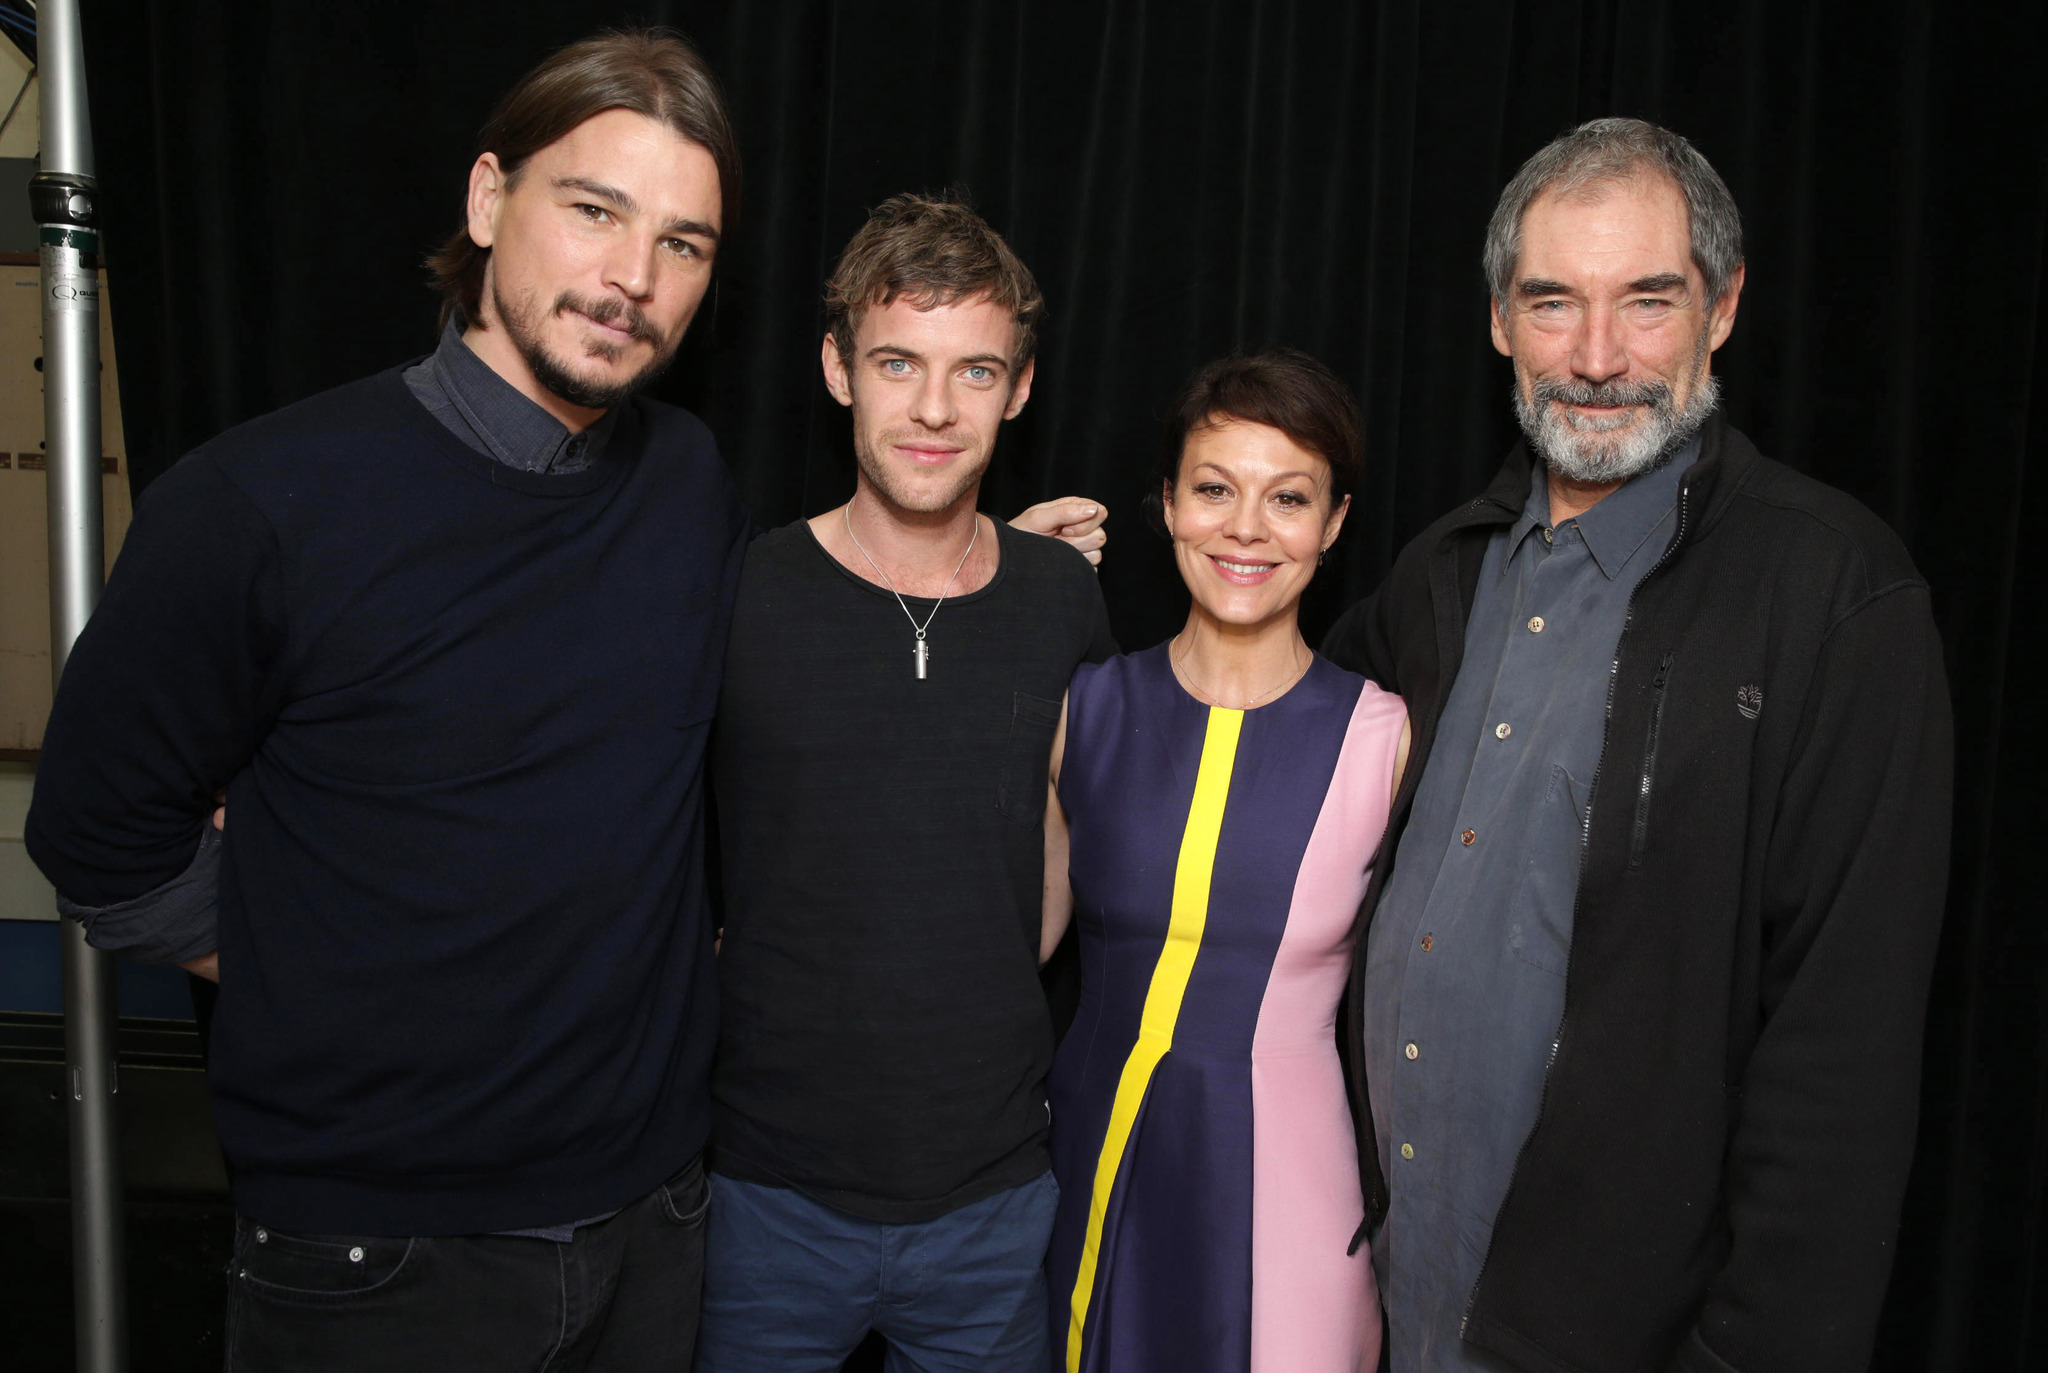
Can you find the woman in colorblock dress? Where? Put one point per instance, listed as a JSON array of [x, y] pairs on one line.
[[1218, 801]]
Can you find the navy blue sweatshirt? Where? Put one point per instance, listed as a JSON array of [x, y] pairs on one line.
[[466, 976]]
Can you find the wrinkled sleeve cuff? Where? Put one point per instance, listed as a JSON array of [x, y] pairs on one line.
[[176, 923]]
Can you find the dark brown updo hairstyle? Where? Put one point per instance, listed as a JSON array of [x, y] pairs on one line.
[[1281, 388]]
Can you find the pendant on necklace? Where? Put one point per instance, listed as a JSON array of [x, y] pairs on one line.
[[923, 657]]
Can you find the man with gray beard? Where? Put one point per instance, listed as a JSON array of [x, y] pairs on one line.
[[1635, 1025]]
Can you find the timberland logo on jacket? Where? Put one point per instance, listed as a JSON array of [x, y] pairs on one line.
[[1749, 701]]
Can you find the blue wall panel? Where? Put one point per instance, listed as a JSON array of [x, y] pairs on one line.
[[32, 976]]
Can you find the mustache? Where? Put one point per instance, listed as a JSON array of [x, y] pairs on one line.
[[609, 310], [962, 438], [1653, 393]]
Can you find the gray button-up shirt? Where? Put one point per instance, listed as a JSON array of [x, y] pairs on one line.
[[489, 414], [1466, 955]]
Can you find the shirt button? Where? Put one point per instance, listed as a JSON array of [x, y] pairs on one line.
[[1503, 730], [1428, 941], [1549, 536], [1412, 1051], [1407, 1151], [1535, 624], [1468, 837]]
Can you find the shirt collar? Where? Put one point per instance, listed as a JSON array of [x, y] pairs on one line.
[[507, 425], [1616, 529]]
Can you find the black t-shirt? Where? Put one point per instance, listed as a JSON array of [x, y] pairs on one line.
[[884, 1041]]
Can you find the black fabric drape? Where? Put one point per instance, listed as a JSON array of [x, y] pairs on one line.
[[1186, 177]]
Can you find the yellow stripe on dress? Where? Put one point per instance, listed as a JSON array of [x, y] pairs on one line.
[[1170, 975]]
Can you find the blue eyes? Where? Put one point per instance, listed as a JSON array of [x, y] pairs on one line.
[[976, 375], [1554, 307]]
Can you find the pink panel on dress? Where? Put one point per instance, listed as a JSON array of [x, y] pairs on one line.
[[1314, 1310]]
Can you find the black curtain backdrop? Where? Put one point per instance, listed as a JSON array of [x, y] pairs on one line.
[[1187, 177]]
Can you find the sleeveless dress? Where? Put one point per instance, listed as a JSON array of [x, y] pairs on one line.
[[1204, 1149]]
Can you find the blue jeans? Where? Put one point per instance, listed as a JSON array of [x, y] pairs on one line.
[[792, 1286]]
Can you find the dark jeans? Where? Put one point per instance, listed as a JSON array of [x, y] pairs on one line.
[[620, 1297], [793, 1285]]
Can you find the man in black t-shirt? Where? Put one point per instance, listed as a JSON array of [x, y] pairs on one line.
[[892, 686]]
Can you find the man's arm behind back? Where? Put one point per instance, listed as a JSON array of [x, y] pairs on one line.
[[165, 695]]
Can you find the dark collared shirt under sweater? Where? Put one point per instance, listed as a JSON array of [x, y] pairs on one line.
[[175, 923], [490, 414], [1467, 953]]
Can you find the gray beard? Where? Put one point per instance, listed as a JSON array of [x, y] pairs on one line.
[[1592, 452]]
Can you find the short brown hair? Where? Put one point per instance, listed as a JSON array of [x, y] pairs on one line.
[[1281, 388], [933, 252], [654, 72]]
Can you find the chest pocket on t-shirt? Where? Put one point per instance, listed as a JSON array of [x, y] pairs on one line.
[[1027, 757]]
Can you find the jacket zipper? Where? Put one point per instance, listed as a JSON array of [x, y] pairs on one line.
[[1579, 893], [1640, 836]]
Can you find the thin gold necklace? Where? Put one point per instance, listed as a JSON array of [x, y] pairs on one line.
[[1209, 697]]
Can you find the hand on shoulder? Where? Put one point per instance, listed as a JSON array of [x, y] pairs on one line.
[[1073, 520]]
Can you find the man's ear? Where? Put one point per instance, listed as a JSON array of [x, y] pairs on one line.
[[1021, 392], [1722, 323], [836, 380], [1500, 328], [487, 187]]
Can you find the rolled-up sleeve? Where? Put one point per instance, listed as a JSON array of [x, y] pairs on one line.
[[167, 693], [176, 923]]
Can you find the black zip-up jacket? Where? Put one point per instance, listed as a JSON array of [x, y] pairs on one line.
[[1715, 1174]]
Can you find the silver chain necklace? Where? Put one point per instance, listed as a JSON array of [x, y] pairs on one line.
[[923, 650]]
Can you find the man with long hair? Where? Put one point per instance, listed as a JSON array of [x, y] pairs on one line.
[[450, 637]]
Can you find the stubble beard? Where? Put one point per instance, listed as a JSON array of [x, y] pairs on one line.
[[523, 327], [870, 452], [1597, 452]]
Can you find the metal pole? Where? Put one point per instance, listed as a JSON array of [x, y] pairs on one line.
[[62, 198]]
